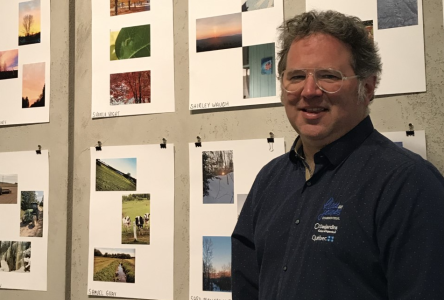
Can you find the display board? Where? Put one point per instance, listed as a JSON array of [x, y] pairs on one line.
[[221, 175], [24, 62], [131, 222]]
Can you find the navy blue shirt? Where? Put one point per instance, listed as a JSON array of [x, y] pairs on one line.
[[367, 225]]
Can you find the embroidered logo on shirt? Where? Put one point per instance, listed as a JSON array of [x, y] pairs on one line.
[[320, 238], [321, 228], [332, 210]]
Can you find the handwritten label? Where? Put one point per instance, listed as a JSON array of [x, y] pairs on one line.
[[106, 114], [92, 292], [3, 122], [209, 105], [205, 298]]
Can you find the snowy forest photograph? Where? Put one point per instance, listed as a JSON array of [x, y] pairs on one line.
[[130, 88], [216, 259], [218, 176]]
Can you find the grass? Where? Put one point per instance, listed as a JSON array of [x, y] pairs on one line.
[[109, 180], [105, 268], [130, 269], [133, 209]]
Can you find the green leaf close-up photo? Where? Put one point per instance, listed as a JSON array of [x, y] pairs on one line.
[[133, 42]]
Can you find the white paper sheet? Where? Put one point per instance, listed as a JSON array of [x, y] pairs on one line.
[[137, 171], [234, 165], [244, 32], [28, 55], [24, 179], [415, 143], [156, 69], [401, 48]]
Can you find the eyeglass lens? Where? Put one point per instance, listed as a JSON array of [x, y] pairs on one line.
[[328, 80]]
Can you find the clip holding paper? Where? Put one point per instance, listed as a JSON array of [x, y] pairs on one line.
[[99, 146], [163, 145], [39, 151], [270, 141], [411, 131], [198, 143]]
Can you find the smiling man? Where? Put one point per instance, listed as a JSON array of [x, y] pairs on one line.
[[346, 214]]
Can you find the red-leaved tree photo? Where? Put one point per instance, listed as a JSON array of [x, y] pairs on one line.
[[130, 88]]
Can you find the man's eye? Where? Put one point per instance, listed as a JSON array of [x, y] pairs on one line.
[[297, 77], [328, 76]]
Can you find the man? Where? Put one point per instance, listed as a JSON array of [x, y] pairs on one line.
[[346, 214]]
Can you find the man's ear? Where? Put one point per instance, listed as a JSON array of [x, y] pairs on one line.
[[369, 87]]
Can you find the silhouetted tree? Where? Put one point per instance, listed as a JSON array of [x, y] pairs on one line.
[[28, 20]]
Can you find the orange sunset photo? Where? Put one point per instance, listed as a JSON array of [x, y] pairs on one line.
[[217, 33], [33, 90], [29, 22], [9, 64]]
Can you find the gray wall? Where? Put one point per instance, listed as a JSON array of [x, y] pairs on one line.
[[71, 133]]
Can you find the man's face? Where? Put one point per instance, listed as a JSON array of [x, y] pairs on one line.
[[318, 117]]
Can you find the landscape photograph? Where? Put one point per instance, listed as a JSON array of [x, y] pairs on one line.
[[130, 42], [31, 214], [249, 5], [29, 23], [33, 87], [130, 88], [9, 64], [114, 265], [116, 174], [124, 7], [216, 259], [136, 219], [217, 33], [397, 13], [218, 176], [240, 202], [15, 256], [8, 188]]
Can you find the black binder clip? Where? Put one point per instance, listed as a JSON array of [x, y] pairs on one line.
[[198, 143], [410, 132], [39, 151], [270, 141], [163, 145], [99, 146]]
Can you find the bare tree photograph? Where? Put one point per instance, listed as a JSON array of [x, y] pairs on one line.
[[218, 176], [29, 23], [216, 264]]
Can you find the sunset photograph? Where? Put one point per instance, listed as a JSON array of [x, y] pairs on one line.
[[9, 64], [29, 22], [217, 33], [33, 89]]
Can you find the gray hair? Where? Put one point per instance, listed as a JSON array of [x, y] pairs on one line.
[[365, 59]]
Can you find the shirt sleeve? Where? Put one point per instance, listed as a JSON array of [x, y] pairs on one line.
[[410, 233]]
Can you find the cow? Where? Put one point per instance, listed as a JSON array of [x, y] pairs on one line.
[[146, 218], [126, 222], [139, 224]]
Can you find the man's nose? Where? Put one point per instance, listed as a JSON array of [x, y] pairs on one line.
[[310, 89]]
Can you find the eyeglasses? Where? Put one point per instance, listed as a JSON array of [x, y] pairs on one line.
[[328, 80]]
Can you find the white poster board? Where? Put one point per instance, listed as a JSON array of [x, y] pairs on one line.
[[415, 143], [24, 62], [131, 257], [132, 58], [221, 175], [398, 31], [233, 52], [24, 202]]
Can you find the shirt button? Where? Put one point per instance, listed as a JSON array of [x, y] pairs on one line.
[[308, 183], [285, 268], [297, 222]]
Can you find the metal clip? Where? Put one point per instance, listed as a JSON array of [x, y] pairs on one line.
[[39, 151], [198, 143], [163, 145], [411, 131], [270, 141], [99, 146]]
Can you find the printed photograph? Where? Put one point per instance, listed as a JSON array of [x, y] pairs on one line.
[[217, 33], [8, 188], [249, 5], [31, 214], [114, 265], [218, 176], [216, 257], [136, 219], [369, 27], [397, 13], [130, 42], [130, 88], [124, 7], [259, 79], [240, 202], [9, 64], [116, 174], [15, 256], [33, 88], [29, 23]]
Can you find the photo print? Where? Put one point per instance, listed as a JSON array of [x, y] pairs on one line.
[[116, 174], [124, 7], [369, 27], [29, 23], [397, 13], [218, 33], [8, 188], [259, 78], [136, 219], [31, 214], [216, 261], [9, 64], [240, 202], [130, 42], [130, 88], [33, 88], [114, 265], [218, 176], [249, 5], [15, 256]]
